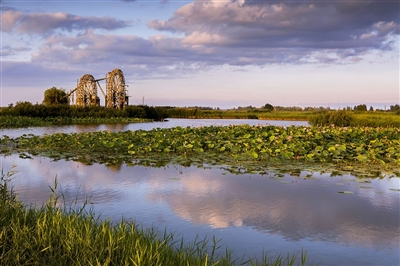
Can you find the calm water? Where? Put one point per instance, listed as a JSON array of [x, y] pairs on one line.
[[250, 213], [146, 126]]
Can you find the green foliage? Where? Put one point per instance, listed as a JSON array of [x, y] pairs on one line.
[[250, 147], [240, 113], [135, 111], [268, 107], [360, 108], [338, 118], [349, 118], [54, 96], [395, 108], [25, 121], [156, 113], [27, 114], [23, 108]]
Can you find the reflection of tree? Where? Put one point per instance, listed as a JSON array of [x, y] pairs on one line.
[[84, 128], [115, 167]]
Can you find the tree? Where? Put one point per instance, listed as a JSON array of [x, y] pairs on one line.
[[269, 107], [54, 96], [360, 107], [23, 108], [395, 108]]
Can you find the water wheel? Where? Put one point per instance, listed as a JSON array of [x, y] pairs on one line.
[[86, 92], [116, 93]]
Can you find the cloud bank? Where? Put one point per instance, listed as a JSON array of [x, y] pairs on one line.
[[221, 32]]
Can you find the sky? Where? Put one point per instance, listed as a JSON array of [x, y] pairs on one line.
[[215, 53]]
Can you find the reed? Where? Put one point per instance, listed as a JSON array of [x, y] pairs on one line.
[[57, 235], [355, 119]]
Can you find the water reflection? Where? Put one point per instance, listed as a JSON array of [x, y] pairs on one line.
[[116, 127], [300, 209], [145, 126], [82, 128], [249, 211]]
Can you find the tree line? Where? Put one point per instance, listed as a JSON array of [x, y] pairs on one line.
[[64, 110]]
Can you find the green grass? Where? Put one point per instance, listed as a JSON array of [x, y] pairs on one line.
[[377, 119], [25, 121], [370, 119], [358, 119], [239, 114], [57, 235]]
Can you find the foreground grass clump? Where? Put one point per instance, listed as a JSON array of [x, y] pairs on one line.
[[53, 235]]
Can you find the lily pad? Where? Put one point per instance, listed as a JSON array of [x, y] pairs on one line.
[[345, 192]]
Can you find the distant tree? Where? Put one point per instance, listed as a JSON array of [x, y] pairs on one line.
[[361, 107], [269, 107], [54, 96], [371, 109], [395, 108]]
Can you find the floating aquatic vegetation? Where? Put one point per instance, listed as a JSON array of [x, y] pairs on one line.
[[345, 192], [360, 151]]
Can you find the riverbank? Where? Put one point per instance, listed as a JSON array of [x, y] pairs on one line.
[[26, 121], [369, 119]]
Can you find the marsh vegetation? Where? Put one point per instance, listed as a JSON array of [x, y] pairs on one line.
[[241, 147]]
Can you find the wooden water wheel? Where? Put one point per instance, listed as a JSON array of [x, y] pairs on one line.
[[116, 92], [86, 92]]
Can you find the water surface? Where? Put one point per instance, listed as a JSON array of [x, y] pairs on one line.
[[172, 122], [250, 213]]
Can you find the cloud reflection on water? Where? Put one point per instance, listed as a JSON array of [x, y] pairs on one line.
[[296, 210]]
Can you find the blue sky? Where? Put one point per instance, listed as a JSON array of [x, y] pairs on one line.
[[207, 53]]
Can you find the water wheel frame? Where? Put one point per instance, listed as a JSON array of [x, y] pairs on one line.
[[116, 92], [86, 92]]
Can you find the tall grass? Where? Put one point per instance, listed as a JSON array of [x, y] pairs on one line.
[[56, 235], [238, 114], [357, 119], [376, 119]]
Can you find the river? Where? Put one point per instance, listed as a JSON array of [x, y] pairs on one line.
[[250, 213]]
